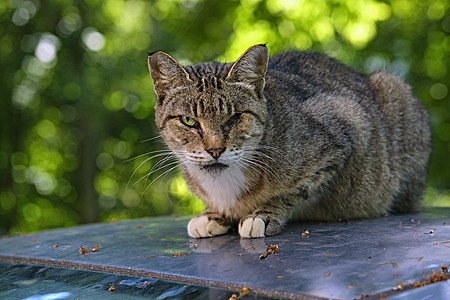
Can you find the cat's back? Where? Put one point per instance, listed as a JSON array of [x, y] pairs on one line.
[[377, 115], [308, 73]]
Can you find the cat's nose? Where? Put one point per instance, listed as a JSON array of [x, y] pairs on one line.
[[215, 152]]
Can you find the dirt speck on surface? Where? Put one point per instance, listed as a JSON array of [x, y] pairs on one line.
[[271, 249]]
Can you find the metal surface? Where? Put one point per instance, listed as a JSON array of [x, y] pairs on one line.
[[345, 260]]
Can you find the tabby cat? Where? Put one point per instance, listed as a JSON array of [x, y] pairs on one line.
[[299, 137]]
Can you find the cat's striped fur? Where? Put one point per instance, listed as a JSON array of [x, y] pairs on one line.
[[302, 137]]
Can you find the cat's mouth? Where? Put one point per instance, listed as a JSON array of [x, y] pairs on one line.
[[215, 167]]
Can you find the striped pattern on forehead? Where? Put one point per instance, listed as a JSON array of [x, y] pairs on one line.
[[212, 104], [208, 75], [209, 80]]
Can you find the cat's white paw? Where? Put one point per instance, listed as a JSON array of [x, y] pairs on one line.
[[200, 227], [252, 228]]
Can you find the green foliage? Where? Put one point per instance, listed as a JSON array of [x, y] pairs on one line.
[[77, 103]]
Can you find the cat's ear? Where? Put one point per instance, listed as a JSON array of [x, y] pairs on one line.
[[251, 68], [166, 73]]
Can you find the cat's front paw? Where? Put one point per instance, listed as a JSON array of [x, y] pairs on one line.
[[253, 227], [203, 226], [258, 227]]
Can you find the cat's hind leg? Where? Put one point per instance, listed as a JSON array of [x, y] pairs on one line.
[[208, 225]]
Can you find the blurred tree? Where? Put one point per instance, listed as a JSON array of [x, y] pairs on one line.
[[77, 129]]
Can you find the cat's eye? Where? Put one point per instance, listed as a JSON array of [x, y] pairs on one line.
[[231, 122], [190, 122]]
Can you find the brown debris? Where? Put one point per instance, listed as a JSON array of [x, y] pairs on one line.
[[435, 277], [271, 249], [364, 296], [112, 288], [399, 287], [444, 242], [83, 250], [419, 258], [143, 285], [244, 291], [180, 254], [394, 264]]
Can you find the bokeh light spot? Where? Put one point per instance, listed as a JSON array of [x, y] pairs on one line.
[[105, 161], [131, 198], [438, 91], [72, 91], [47, 48], [7, 200], [31, 212], [92, 39]]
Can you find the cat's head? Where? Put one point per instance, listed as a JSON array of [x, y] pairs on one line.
[[211, 114]]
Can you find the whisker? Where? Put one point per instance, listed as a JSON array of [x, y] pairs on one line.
[[163, 174], [146, 160], [148, 153], [163, 160], [263, 155], [135, 170], [147, 176], [151, 139], [263, 166], [244, 164]]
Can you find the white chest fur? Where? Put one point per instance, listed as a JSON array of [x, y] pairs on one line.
[[223, 189]]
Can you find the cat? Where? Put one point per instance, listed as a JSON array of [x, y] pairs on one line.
[[299, 137]]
